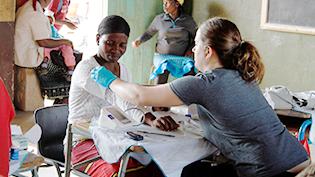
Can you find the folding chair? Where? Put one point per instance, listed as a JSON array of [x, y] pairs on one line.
[[53, 122]]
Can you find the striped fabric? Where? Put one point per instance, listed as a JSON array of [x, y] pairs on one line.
[[100, 168]]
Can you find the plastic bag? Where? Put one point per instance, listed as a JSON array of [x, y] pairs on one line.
[[279, 97]]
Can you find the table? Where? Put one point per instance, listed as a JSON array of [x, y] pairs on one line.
[[30, 163], [292, 119], [83, 129], [292, 113], [183, 155]]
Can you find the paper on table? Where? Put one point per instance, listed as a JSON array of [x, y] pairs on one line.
[[34, 134], [16, 129], [15, 164]]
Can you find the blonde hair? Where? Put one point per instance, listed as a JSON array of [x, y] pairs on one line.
[[233, 52]]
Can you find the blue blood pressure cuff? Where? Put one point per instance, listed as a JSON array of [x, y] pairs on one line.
[[178, 66]]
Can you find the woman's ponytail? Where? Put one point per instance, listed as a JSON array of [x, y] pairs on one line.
[[248, 62], [233, 52]]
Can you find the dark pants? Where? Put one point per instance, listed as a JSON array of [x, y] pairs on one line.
[[204, 169]]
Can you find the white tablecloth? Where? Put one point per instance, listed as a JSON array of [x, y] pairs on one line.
[[170, 153]]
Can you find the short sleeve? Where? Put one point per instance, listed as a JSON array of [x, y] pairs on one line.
[[40, 26], [188, 89], [124, 74], [81, 77]]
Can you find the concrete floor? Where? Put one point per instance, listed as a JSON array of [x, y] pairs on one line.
[[24, 119], [27, 121]]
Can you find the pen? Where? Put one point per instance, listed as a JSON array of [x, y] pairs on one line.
[[152, 133]]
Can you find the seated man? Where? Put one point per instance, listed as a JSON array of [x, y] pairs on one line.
[[33, 34], [87, 98]]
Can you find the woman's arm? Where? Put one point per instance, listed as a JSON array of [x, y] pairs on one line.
[[148, 34], [159, 95], [104, 77]]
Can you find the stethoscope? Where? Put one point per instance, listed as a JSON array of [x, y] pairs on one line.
[[301, 134]]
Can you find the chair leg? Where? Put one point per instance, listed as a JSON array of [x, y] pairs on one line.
[[69, 150], [123, 164], [58, 169], [34, 172]]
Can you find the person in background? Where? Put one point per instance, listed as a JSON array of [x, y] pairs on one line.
[[33, 34], [87, 98], [176, 32], [234, 115], [6, 115], [60, 9], [66, 51]]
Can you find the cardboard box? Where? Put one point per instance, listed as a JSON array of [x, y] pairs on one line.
[[27, 93]]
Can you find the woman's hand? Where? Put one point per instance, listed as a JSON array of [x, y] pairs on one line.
[[136, 43], [166, 123]]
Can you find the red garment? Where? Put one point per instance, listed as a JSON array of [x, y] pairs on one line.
[[6, 115], [100, 168], [20, 3], [34, 4], [60, 9]]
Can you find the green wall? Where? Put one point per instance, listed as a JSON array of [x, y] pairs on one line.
[[139, 14], [289, 57]]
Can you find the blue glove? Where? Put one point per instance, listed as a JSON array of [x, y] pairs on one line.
[[103, 76]]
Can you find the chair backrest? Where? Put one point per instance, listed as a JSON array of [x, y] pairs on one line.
[[53, 122]]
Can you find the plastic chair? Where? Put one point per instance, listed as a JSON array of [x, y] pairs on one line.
[[53, 121]]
